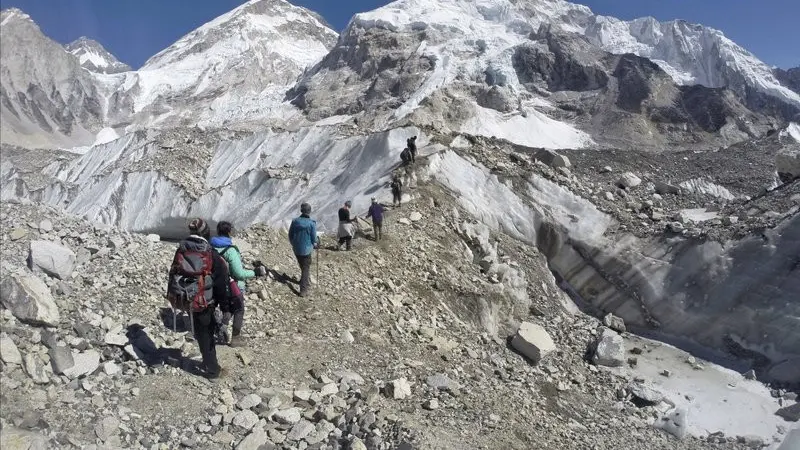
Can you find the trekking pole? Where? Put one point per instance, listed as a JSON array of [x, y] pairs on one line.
[[317, 267]]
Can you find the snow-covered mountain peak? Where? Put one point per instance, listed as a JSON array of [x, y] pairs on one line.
[[11, 14], [94, 57], [275, 26]]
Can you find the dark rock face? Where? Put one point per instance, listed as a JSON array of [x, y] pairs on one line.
[[789, 78], [382, 62], [565, 66], [634, 74]]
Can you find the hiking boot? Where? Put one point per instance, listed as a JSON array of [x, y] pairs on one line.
[[221, 373], [237, 341]]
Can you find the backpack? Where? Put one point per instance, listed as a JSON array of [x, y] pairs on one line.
[[190, 285], [405, 155], [235, 295]]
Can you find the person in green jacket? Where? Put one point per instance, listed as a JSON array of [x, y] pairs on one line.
[[224, 246]]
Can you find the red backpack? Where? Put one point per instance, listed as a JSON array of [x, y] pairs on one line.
[[190, 285]]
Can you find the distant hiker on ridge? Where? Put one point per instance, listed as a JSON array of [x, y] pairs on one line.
[[346, 227], [303, 236], [397, 190], [411, 143], [405, 156], [230, 253], [198, 283], [376, 213]]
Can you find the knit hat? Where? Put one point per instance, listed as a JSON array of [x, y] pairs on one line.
[[348, 203], [198, 226], [305, 208], [374, 200]]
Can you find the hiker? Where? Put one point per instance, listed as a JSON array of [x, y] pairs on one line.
[[303, 236], [346, 228], [198, 284], [405, 156], [412, 148], [397, 191], [223, 244], [376, 213]]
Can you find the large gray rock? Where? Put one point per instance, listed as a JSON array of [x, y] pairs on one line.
[[107, 428], [609, 348], [15, 439], [533, 342], [645, 392], [85, 363], [790, 413], [628, 180], [787, 163], [54, 259], [9, 353], [35, 369], [300, 430], [254, 440], [29, 299], [245, 419], [552, 159], [288, 416], [61, 359], [441, 382]]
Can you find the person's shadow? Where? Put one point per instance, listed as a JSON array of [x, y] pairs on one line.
[[286, 280], [145, 350]]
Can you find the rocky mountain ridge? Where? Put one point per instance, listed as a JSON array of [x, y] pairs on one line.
[[94, 57]]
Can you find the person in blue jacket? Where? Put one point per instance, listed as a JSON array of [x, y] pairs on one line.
[[303, 237]]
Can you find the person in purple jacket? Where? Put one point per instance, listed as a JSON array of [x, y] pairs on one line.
[[376, 212]]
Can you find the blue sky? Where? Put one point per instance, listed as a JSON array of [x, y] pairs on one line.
[[134, 30]]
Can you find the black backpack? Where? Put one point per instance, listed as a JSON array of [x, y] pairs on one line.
[[405, 155]]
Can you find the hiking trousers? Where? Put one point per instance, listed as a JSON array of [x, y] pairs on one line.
[[397, 196], [348, 240], [377, 230], [205, 327], [304, 261], [238, 319]]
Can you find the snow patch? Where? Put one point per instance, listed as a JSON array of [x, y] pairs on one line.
[[792, 131], [535, 130], [106, 135]]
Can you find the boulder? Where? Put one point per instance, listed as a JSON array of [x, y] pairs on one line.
[[415, 216], [787, 163], [646, 393], [107, 428], [533, 342], [614, 322], [288, 416], [300, 430], [609, 349], [628, 180], [254, 440], [552, 159], [665, 188], [35, 369], [790, 413], [29, 299], [16, 439], [85, 364], [249, 401], [9, 353], [245, 419], [61, 359], [54, 259], [441, 382]]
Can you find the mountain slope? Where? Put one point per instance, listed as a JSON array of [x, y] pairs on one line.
[[94, 57], [46, 98], [455, 66], [231, 70]]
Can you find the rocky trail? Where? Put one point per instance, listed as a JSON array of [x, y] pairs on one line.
[[402, 344]]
